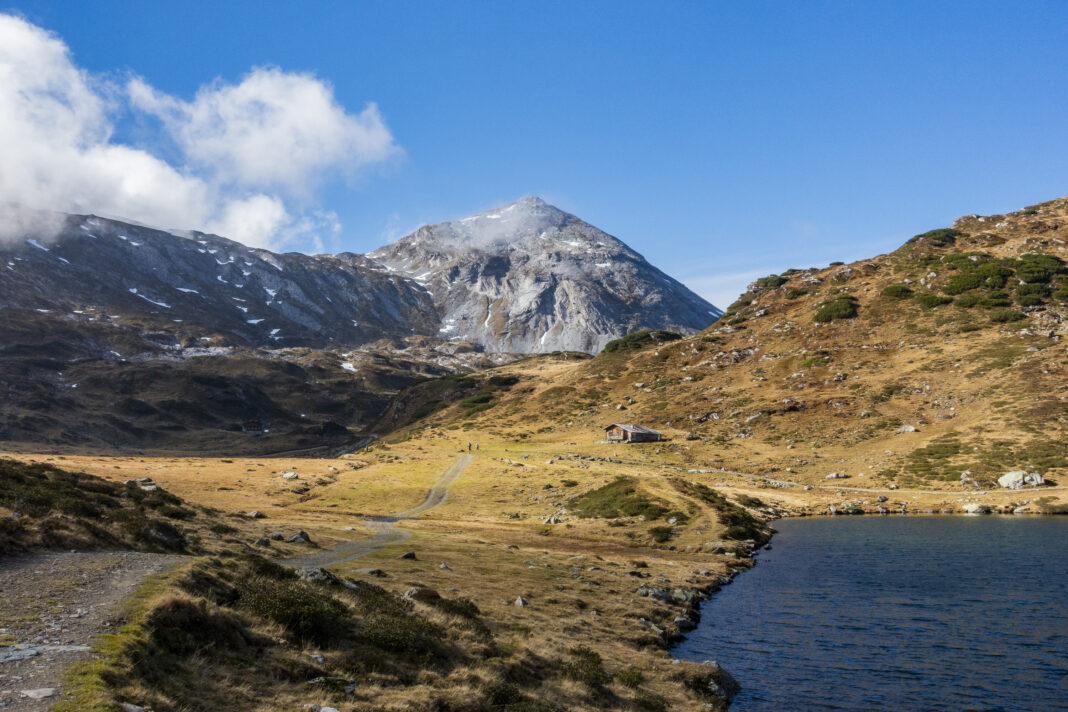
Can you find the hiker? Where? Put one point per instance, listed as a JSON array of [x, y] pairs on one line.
[[469, 447]]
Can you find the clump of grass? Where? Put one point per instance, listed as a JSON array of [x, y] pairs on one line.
[[618, 498], [305, 611]]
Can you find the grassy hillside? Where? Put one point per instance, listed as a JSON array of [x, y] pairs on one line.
[[959, 335]]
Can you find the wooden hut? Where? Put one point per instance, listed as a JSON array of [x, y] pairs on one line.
[[621, 433]]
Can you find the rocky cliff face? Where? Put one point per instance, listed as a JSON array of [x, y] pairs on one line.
[[531, 278]]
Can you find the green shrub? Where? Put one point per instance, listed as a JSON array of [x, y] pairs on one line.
[[897, 291], [966, 301], [842, 307], [662, 534], [408, 634], [585, 666], [629, 677], [930, 301], [1061, 293], [500, 381], [1039, 268], [747, 501], [960, 283], [428, 408], [305, 611], [1003, 316], [1028, 300], [772, 281], [640, 340], [795, 293], [942, 237], [995, 300]]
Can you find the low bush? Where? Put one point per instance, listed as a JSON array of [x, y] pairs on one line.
[[897, 291], [966, 301], [960, 283], [585, 666], [772, 281], [795, 293], [662, 535], [1004, 316], [306, 612], [629, 677], [842, 307], [942, 237], [640, 340], [930, 301]]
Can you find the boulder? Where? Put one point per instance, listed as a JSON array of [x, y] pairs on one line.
[[255, 514], [836, 476], [975, 508], [408, 555], [908, 429], [263, 542], [419, 593], [300, 537], [520, 602], [1018, 479], [314, 573]]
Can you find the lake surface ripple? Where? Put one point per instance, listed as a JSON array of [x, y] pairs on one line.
[[897, 613]]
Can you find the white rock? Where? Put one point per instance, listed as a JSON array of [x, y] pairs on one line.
[[907, 429], [1018, 479], [974, 508], [40, 693]]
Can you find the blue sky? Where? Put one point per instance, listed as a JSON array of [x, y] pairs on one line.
[[721, 140]]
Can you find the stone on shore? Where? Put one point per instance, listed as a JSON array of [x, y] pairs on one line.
[[1018, 479]]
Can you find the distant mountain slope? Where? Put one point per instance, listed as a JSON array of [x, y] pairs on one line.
[[207, 290], [527, 278], [531, 278]]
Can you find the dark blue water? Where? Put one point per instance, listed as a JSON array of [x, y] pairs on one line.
[[908, 613]]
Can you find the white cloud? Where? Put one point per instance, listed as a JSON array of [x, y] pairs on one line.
[[273, 130], [252, 150]]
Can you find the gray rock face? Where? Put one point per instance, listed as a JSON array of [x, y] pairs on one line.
[[530, 278]]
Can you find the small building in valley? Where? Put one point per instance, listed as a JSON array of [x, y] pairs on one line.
[[620, 433]]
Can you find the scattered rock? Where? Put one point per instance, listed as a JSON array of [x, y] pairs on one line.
[[276, 536], [263, 542], [444, 567], [974, 508], [40, 693], [255, 514], [289, 475], [520, 602], [300, 537], [129, 707], [881, 498], [836, 476], [409, 555], [908, 429]]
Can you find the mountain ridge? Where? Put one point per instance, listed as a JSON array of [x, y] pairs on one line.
[[205, 288]]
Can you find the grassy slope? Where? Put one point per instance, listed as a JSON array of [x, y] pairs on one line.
[[769, 390]]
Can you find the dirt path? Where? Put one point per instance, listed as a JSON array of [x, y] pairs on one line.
[[51, 607], [385, 531]]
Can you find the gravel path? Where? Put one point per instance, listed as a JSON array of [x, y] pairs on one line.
[[386, 533], [51, 607]]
